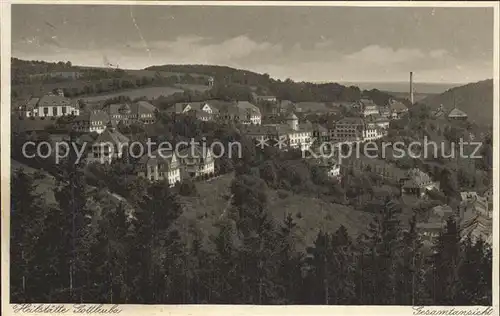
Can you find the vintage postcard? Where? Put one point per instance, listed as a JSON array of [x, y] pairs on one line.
[[240, 158]]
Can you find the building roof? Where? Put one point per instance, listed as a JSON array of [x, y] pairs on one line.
[[397, 106], [417, 179], [442, 210], [455, 112], [165, 159], [93, 116], [351, 121], [143, 107], [196, 152], [292, 116], [313, 107], [320, 128], [111, 135], [54, 100]]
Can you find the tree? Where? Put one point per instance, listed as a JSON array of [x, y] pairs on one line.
[[443, 277], [27, 219], [383, 251], [448, 183]]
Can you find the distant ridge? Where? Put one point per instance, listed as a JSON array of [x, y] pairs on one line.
[[475, 99], [404, 87]]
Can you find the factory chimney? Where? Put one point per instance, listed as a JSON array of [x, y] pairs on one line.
[[411, 87]]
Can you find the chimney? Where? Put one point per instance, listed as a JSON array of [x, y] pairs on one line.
[[411, 87]]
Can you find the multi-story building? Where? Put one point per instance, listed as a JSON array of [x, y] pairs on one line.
[[91, 121], [368, 107], [126, 113], [240, 112], [196, 162], [355, 129], [289, 135], [159, 166], [50, 105], [108, 146]]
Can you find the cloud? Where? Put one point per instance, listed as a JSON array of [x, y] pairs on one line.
[[438, 53], [375, 54]]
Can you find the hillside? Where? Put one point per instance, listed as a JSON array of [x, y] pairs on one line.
[[476, 99]]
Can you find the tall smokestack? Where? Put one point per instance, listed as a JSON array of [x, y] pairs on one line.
[[411, 87]]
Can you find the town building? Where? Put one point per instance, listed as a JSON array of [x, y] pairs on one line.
[[430, 229], [196, 162], [50, 105], [315, 108], [239, 112], [457, 115], [264, 98], [108, 146], [417, 183], [320, 133], [160, 165], [397, 108], [368, 108], [439, 112], [284, 136], [355, 129], [91, 121], [127, 113], [286, 107]]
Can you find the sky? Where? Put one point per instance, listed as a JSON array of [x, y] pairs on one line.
[[353, 44]]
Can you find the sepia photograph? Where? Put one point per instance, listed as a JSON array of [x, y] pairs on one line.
[[250, 155]]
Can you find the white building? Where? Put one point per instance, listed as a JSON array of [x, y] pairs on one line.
[[284, 136], [159, 166]]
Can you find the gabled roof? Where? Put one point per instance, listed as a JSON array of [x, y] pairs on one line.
[[111, 135], [417, 179], [397, 106], [53, 100], [195, 152], [165, 159], [93, 116]]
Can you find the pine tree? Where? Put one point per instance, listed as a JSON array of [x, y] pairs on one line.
[[27, 219], [443, 278], [257, 233], [382, 252], [474, 274], [411, 287], [289, 263]]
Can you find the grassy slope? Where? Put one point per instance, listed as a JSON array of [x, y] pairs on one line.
[[203, 213]]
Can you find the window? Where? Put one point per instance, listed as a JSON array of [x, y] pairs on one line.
[[45, 111]]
